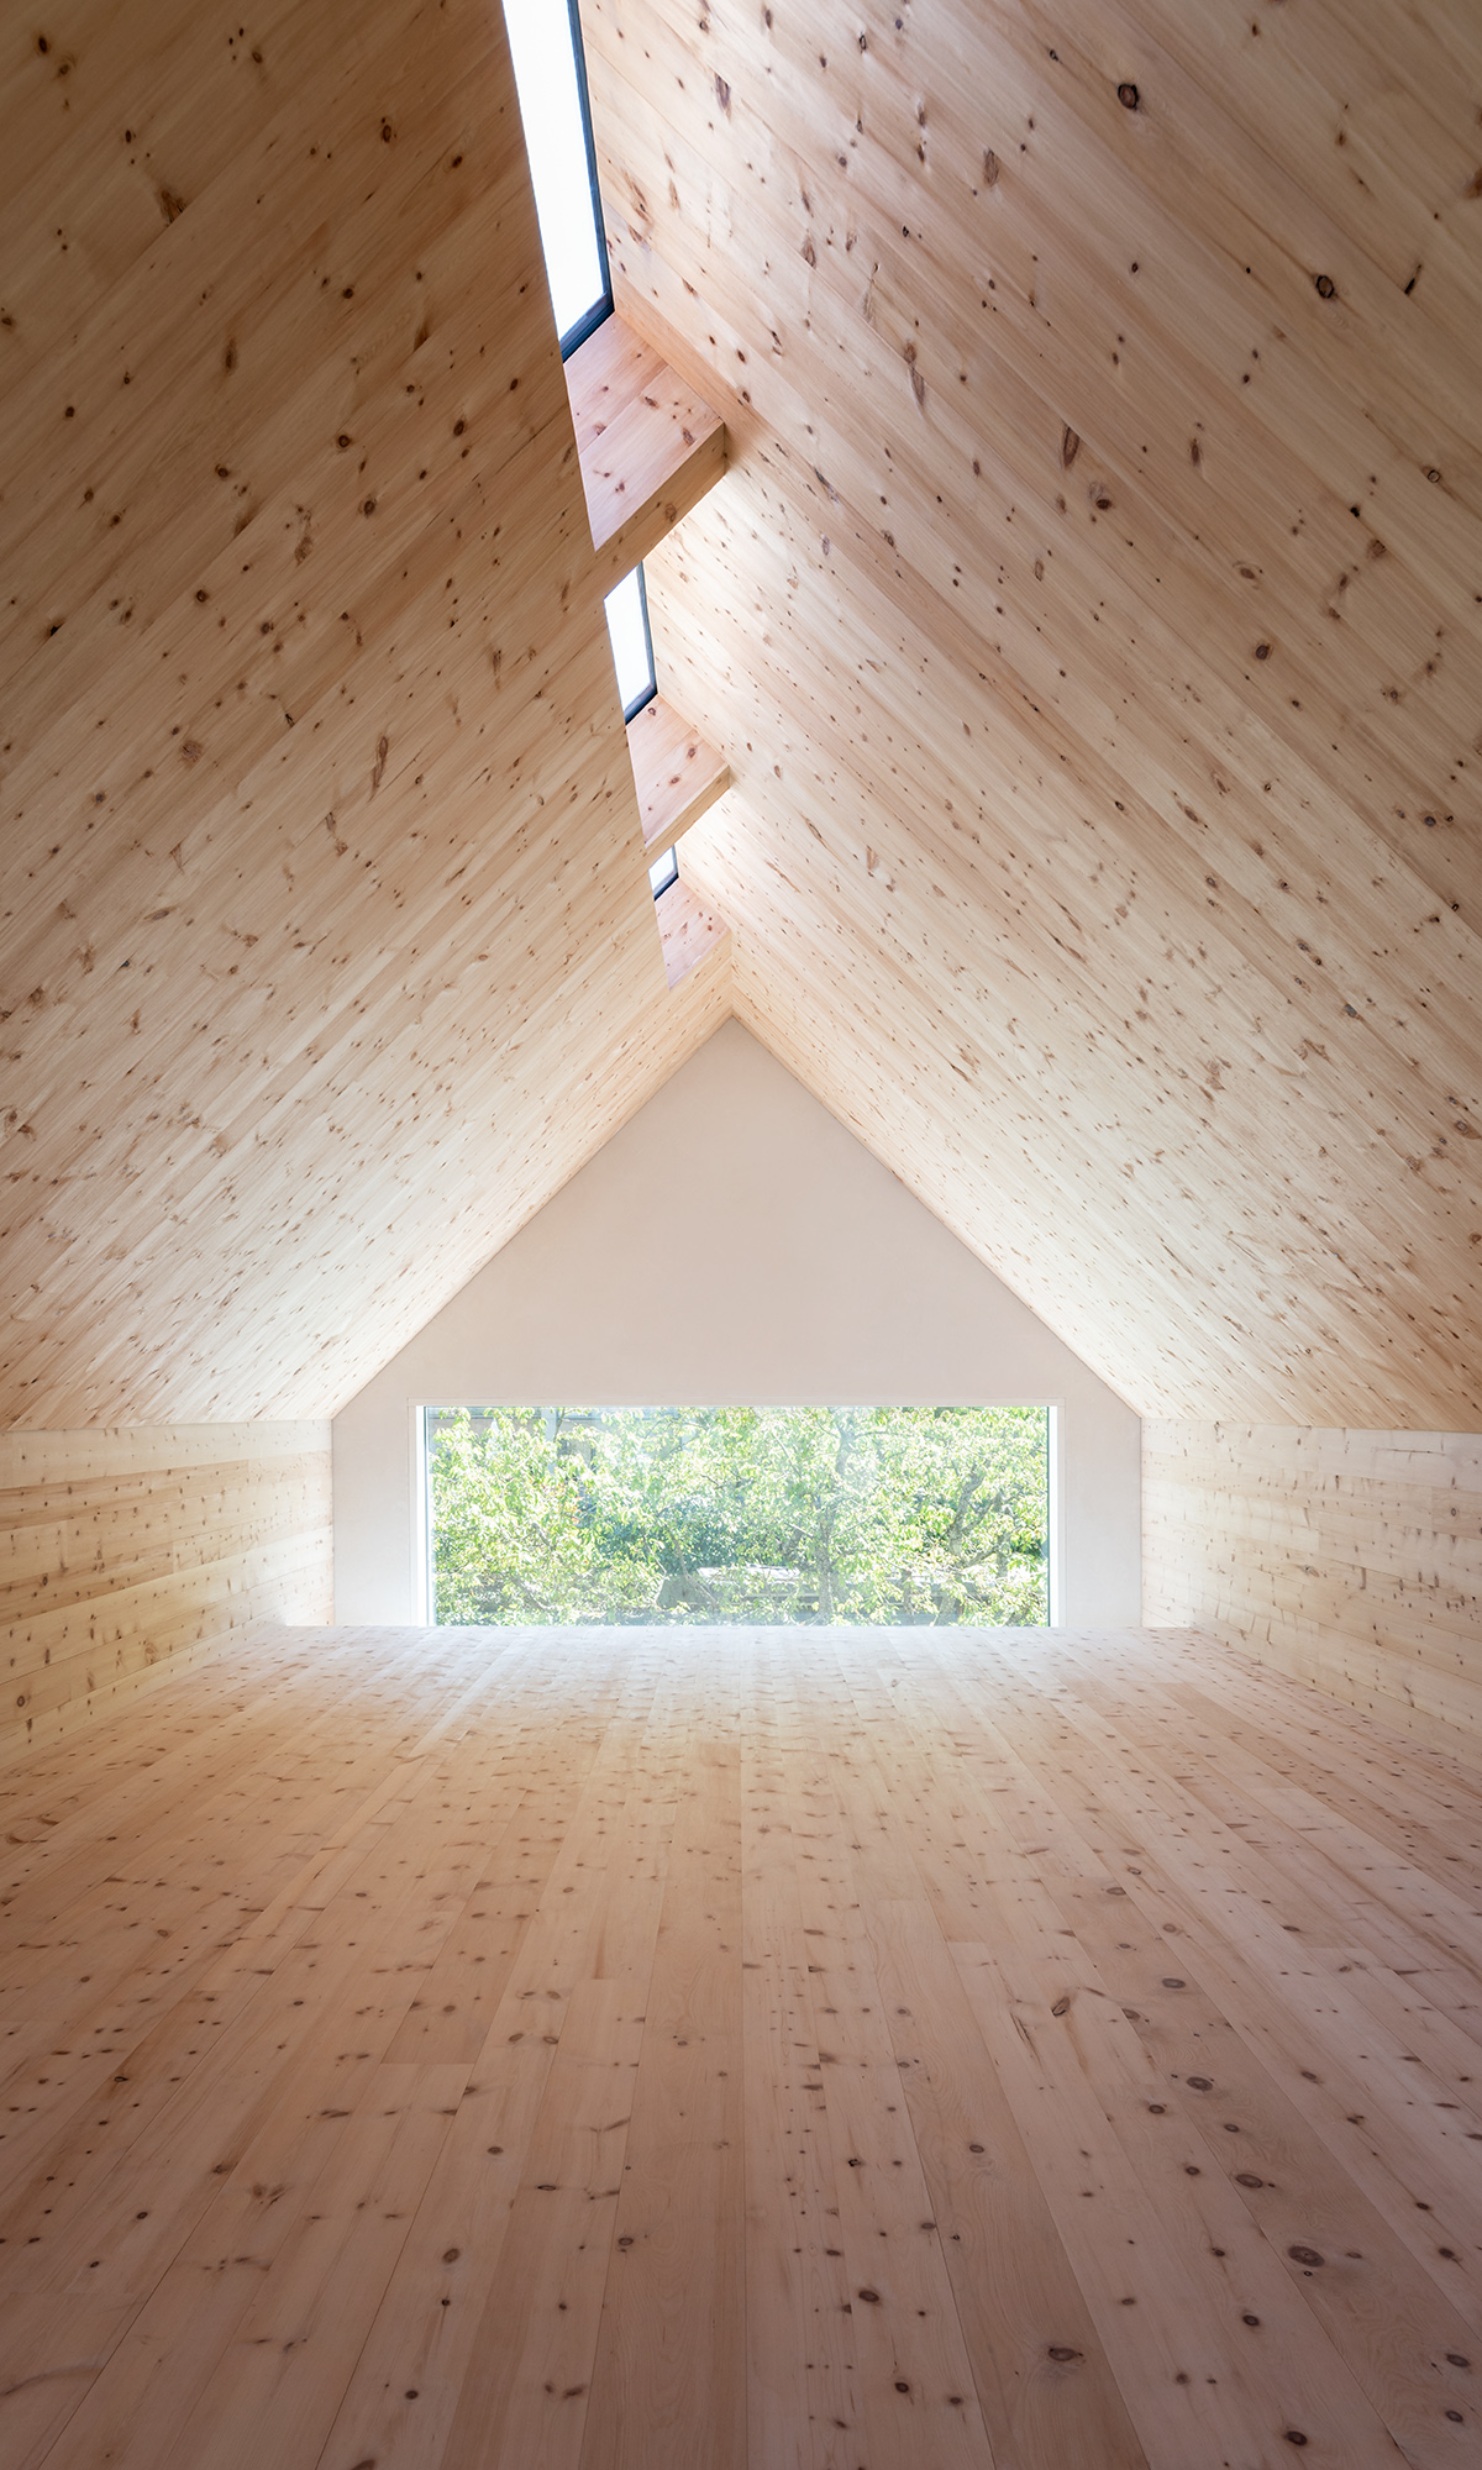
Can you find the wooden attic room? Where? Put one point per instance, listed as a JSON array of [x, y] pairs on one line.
[[1015, 944]]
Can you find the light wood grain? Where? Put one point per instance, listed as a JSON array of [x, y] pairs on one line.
[[1351, 1560], [126, 1552], [1088, 620], [678, 777], [325, 949], [649, 448], [691, 936], [778, 2050]]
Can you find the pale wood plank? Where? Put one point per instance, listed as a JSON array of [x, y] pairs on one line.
[[576, 2046], [1352, 1560], [678, 777], [690, 937], [669, 2380]]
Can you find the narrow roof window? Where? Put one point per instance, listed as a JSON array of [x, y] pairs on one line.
[[663, 872], [632, 643], [551, 78]]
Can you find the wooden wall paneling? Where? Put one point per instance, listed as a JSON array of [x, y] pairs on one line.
[[327, 951], [123, 1553], [1090, 563], [1350, 1560]]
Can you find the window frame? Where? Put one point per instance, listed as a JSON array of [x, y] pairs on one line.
[[603, 307], [648, 693], [425, 1412]]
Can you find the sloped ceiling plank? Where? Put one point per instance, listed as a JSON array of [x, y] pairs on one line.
[[1019, 917], [328, 953], [1042, 870], [1091, 623], [1036, 358]]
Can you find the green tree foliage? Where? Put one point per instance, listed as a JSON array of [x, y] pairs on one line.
[[757, 1514]]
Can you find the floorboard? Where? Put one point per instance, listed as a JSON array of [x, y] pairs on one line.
[[776, 2050]]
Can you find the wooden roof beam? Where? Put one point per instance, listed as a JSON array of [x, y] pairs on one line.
[[678, 775], [649, 446]]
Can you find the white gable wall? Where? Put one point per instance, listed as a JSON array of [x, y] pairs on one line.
[[735, 1245]]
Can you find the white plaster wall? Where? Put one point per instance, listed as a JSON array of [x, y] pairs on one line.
[[734, 1245]]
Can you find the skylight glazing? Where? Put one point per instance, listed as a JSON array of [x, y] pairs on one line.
[[632, 643], [551, 81], [550, 75]]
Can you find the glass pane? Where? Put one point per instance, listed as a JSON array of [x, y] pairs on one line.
[[552, 88], [632, 647], [916, 1515], [663, 872]]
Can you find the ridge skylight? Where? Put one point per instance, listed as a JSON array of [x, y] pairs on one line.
[[551, 79], [632, 643], [549, 62], [663, 872]]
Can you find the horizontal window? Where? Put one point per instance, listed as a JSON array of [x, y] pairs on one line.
[[913, 1515]]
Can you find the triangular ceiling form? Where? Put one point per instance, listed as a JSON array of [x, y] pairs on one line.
[[1091, 621], [1088, 624]]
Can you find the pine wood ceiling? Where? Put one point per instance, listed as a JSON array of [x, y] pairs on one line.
[[1091, 622], [328, 951], [1090, 619]]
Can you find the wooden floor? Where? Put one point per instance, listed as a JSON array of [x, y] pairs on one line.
[[680, 2051]]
